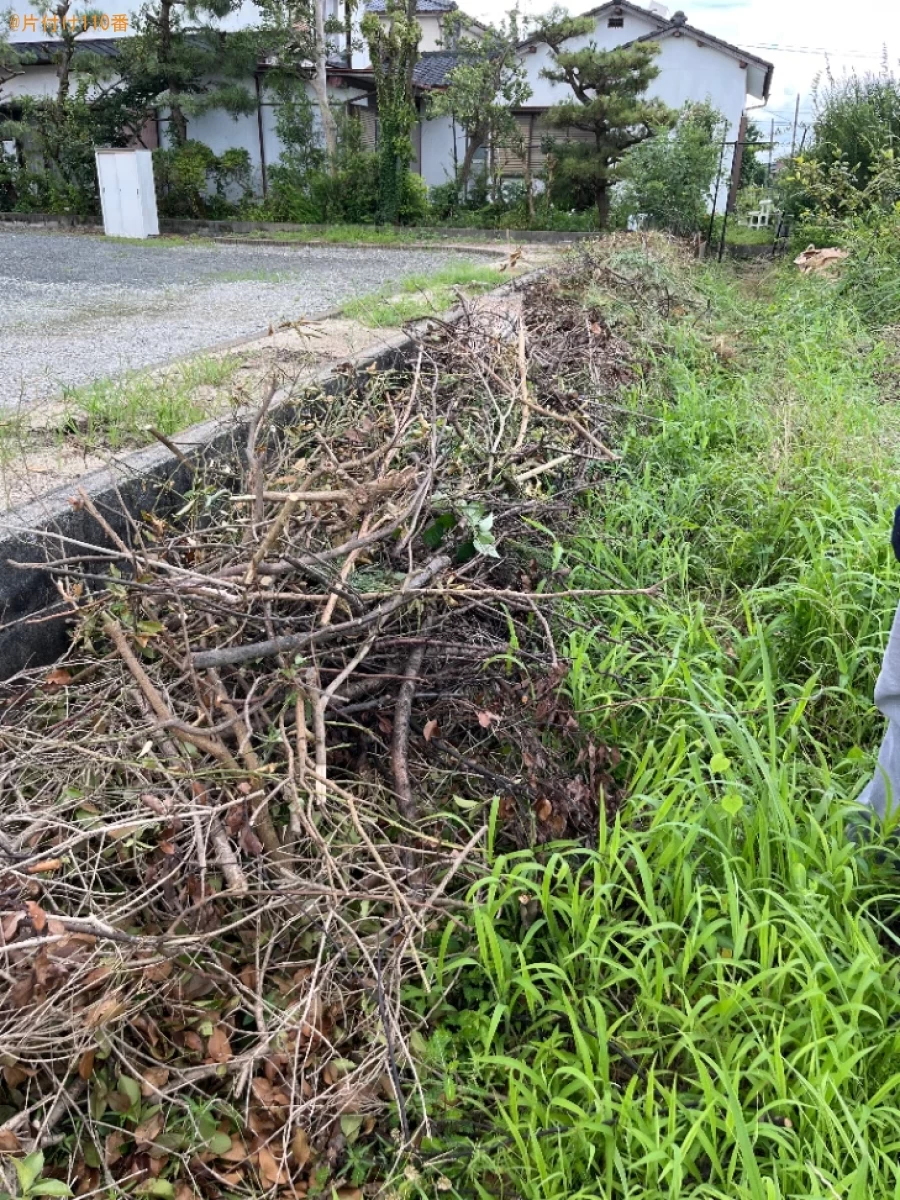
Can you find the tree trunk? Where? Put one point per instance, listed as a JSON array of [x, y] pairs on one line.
[[63, 71], [67, 52], [604, 203], [320, 87], [529, 175], [177, 119], [473, 145]]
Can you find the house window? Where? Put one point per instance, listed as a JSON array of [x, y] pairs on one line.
[[617, 22]]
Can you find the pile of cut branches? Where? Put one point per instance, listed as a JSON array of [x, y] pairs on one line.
[[258, 782]]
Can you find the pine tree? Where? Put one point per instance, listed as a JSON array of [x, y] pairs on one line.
[[609, 103], [183, 60]]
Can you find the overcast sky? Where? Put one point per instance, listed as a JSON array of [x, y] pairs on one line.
[[811, 34]]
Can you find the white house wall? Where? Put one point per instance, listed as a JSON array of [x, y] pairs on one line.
[[692, 72], [221, 132], [688, 71], [35, 81], [538, 56], [438, 159]]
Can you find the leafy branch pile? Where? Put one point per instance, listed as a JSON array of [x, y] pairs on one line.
[[238, 809]]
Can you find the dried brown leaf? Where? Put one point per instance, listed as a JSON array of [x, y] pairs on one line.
[[543, 809], [218, 1048], [112, 1147], [9, 926], [271, 1170], [238, 1152], [153, 1079], [300, 1147], [157, 972], [44, 867], [250, 843], [36, 916], [148, 1131], [9, 1142], [16, 1074], [104, 1011], [58, 678]]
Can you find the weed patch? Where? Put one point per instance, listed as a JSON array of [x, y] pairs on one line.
[[420, 296], [706, 1002], [119, 412]]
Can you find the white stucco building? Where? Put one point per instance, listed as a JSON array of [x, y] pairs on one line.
[[693, 66]]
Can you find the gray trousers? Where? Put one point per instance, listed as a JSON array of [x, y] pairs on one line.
[[883, 794]]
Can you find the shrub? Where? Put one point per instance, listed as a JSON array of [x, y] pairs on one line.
[[857, 120], [301, 190], [192, 181], [413, 207], [669, 177], [445, 199], [871, 276]]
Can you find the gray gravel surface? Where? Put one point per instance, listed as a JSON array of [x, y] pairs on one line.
[[75, 308]]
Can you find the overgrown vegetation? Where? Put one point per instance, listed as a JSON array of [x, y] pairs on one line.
[[705, 1002], [669, 178], [394, 51], [849, 177], [652, 963]]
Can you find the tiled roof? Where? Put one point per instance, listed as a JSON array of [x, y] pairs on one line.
[[422, 6], [44, 53], [433, 68]]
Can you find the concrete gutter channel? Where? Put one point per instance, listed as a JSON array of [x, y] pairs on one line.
[[33, 617]]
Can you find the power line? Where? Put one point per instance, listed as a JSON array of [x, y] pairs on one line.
[[811, 50]]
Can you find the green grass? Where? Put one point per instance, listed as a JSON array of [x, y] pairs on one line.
[[707, 1003], [744, 235], [376, 235], [421, 295], [118, 412], [165, 241]]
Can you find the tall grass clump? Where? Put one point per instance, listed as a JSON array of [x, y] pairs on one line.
[[707, 1002]]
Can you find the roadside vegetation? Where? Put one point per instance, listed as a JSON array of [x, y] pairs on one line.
[[423, 295], [706, 1002], [663, 968], [115, 413]]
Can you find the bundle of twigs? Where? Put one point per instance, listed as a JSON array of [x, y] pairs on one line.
[[232, 815]]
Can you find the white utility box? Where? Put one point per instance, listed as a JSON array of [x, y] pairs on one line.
[[127, 194]]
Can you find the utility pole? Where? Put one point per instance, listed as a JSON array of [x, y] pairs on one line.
[[771, 153], [737, 162], [796, 123]]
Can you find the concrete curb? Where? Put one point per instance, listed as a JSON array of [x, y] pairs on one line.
[[34, 620], [439, 233], [499, 251]]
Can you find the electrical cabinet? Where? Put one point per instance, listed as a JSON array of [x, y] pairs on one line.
[[127, 193]]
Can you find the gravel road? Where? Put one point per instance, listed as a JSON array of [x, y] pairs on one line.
[[75, 308]]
